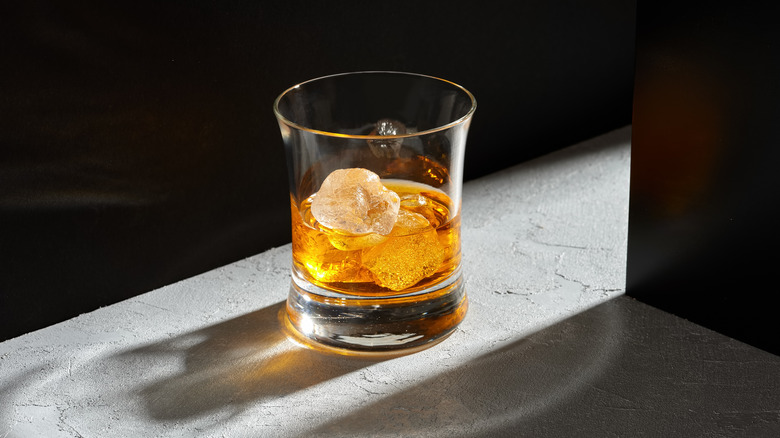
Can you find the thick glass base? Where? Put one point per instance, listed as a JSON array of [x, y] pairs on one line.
[[351, 325]]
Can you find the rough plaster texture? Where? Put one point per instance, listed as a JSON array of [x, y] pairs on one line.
[[542, 241]]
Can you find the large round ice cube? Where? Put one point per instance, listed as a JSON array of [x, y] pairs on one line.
[[354, 201]]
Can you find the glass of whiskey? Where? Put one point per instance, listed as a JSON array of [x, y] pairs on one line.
[[375, 166]]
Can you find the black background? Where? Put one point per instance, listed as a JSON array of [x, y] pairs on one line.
[[138, 146], [705, 153]]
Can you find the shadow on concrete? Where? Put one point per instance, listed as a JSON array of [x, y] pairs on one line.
[[498, 393], [621, 368], [227, 366]]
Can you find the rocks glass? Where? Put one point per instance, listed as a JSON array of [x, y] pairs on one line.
[[375, 165]]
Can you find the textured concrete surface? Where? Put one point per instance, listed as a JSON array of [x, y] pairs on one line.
[[542, 242]]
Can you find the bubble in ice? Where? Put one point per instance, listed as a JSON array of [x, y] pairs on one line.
[[387, 148], [354, 201]]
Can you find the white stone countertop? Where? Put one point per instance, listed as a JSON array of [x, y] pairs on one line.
[[542, 242]]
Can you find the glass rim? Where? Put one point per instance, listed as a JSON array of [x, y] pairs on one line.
[[449, 125]]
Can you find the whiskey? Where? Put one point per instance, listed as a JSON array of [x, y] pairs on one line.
[[422, 249]]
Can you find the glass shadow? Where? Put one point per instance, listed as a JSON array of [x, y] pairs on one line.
[[227, 366]]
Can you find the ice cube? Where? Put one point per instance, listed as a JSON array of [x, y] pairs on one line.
[[350, 242], [411, 253], [354, 202], [409, 222], [419, 204], [387, 148], [413, 200], [331, 267], [389, 127], [314, 252]]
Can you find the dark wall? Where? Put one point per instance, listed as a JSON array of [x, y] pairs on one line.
[[138, 146], [704, 185]]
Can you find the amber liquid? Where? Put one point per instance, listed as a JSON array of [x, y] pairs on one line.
[[409, 259]]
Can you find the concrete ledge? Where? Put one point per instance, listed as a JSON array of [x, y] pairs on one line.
[[542, 241]]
